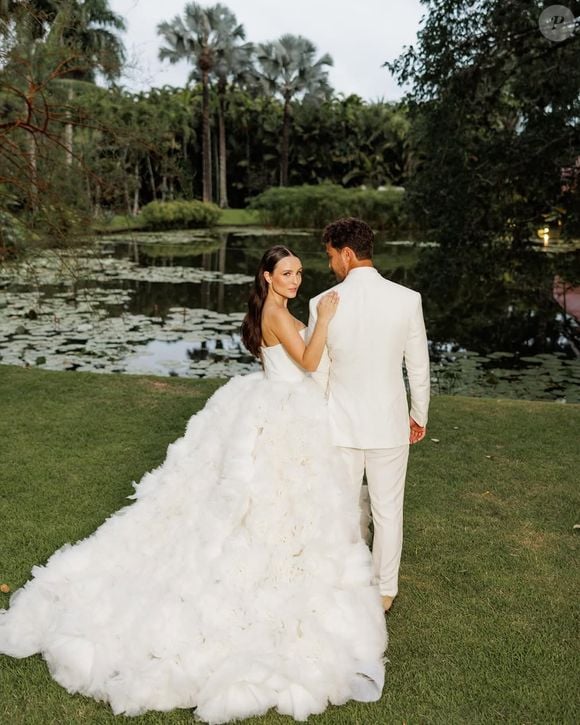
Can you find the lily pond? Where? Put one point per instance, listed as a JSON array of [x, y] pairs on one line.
[[499, 324]]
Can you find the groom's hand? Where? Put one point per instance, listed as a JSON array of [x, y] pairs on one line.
[[417, 432]]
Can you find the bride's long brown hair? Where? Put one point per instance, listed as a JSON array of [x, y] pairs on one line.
[[252, 324]]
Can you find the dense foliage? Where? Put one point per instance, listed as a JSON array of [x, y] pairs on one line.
[[315, 206], [486, 143], [179, 214], [494, 110], [72, 151]]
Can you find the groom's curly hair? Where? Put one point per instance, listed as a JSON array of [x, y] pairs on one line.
[[350, 232]]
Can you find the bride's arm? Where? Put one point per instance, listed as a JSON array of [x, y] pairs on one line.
[[306, 355], [321, 374]]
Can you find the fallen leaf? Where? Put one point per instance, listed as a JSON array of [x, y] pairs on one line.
[[4, 588]]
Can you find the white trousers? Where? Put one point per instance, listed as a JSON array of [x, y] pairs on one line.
[[386, 469]]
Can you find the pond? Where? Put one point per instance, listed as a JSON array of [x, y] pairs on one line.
[[172, 304]]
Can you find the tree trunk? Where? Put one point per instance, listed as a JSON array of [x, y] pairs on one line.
[[89, 193], [135, 209], [285, 144], [68, 131], [125, 183], [248, 159], [33, 172], [98, 209], [206, 141], [222, 151], [31, 153], [164, 188], [215, 161], [152, 177]]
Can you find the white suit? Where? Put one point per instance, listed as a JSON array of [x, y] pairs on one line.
[[378, 326]]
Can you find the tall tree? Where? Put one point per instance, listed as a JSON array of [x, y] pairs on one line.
[[198, 37], [495, 109], [86, 28], [24, 61], [50, 46], [233, 65], [288, 67], [31, 17]]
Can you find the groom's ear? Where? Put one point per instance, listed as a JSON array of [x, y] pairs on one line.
[[348, 254]]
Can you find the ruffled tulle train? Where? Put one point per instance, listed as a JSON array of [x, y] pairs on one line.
[[236, 581]]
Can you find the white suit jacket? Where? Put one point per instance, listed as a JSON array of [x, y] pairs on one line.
[[377, 326]]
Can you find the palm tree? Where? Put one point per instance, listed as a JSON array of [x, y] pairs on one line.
[[31, 17], [288, 67], [200, 37], [233, 66], [85, 28], [48, 44]]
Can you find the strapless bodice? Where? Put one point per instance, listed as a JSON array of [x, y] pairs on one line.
[[278, 365]]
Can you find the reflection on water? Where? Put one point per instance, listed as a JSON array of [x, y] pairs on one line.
[[175, 358], [171, 304]]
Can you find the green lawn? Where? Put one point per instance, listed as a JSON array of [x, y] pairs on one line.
[[485, 626], [229, 217], [118, 223], [239, 217]]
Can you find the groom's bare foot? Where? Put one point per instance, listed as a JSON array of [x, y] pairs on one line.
[[387, 602]]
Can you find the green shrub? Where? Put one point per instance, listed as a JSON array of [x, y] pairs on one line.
[[14, 235], [316, 206], [179, 214], [52, 225], [60, 224]]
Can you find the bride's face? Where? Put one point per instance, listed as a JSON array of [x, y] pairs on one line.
[[286, 277]]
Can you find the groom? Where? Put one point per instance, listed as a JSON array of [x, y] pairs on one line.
[[378, 325]]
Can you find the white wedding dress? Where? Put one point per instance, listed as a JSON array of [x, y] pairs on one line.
[[237, 581]]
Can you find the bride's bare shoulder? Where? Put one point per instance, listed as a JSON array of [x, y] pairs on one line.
[[274, 320], [274, 315]]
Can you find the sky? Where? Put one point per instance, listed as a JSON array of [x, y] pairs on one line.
[[359, 36]]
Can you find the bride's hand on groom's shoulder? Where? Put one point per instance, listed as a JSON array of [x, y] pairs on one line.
[[326, 306], [417, 431]]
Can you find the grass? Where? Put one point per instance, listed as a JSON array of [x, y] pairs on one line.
[[483, 630], [239, 217], [118, 223], [229, 217]]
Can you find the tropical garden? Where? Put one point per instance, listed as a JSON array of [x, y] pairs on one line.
[[485, 144], [474, 169], [250, 117], [131, 224]]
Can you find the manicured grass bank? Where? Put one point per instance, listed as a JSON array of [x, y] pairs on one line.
[[484, 629], [228, 217]]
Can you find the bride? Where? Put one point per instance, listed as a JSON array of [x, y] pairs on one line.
[[238, 580]]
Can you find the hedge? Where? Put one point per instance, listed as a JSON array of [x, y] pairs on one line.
[[315, 206], [179, 214]]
